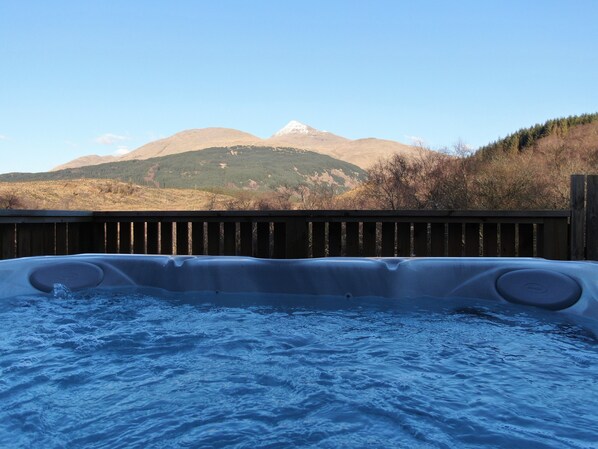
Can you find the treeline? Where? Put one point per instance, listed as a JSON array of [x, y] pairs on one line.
[[528, 137]]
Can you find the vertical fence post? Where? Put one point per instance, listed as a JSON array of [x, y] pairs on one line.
[[296, 238], [556, 239], [592, 218], [578, 199]]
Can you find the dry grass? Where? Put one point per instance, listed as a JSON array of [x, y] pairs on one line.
[[109, 195]]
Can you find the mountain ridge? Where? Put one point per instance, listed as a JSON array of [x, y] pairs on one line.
[[361, 152]]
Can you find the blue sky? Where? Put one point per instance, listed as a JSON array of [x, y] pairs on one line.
[[96, 77]]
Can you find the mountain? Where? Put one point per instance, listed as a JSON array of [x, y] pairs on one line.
[[361, 152], [239, 167]]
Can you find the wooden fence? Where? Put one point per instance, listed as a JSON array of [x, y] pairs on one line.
[[298, 234]]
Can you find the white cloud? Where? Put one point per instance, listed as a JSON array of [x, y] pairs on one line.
[[110, 139], [122, 150], [416, 140], [3, 137]]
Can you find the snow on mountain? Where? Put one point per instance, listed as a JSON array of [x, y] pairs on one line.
[[295, 127]]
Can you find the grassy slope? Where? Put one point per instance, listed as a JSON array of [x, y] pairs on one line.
[[241, 167], [108, 195]]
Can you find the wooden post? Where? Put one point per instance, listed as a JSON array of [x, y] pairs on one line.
[[592, 218], [578, 199], [296, 238], [555, 239]]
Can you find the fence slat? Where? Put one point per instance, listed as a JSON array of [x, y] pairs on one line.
[[352, 230], [388, 239], [437, 239], [112, 237], [139, 237], [507, 239], [578, 199], [404, 240], [214, 238], [556, 239], [472, 240], [296, 238], [263, 239], [455, 240], [334, 238], [369, 239], [592, 218], [490, 239], [166, 238], [420, 239], [279, 240], [61, 241], [197, 237], [526, 240], [182, 238], [318, 239], [152, 237], [246, 232], [124, 235]]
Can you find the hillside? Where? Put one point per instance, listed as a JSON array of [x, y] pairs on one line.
[[361, 152], [106, 195], [242, 167], [574, 131]]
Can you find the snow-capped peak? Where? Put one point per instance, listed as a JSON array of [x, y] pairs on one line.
[[295, 127]]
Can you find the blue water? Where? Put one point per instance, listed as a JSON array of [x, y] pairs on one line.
[[137, 371]]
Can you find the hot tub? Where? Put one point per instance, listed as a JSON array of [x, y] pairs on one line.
[[153, 351], [571, 287]]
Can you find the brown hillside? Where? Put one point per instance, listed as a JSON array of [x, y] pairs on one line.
[[107, 195]]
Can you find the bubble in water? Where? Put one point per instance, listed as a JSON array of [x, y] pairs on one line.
[[61, 291]]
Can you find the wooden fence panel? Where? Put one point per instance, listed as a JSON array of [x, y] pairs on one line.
[[578, 219], [197, 238], [490, 239], [166, 239], [182, 238], [318, 239], [472, 240], [369, 239], [61, 239], [507, 240], [526, 240], [556, 239], [279, 238], [420, 239], [213, 238], [229, 242], [153, 238], [404, 239], [139, 237], [8, 241], [455, 240], [335, 239], [263, 239], [388, 239], [437, 234], [246, 237], [112, 237], [124, 235], [352, 236], [592, 218]]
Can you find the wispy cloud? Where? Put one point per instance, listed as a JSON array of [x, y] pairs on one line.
[[3, 137], [122, 150], [110, 139], [415, 140]]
